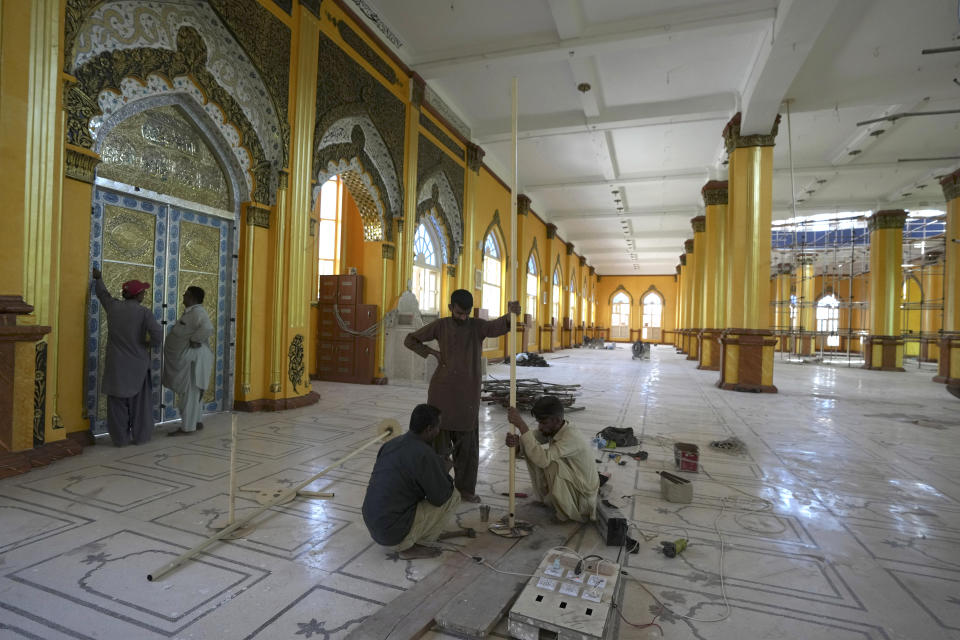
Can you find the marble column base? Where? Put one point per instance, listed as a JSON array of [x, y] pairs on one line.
[[710, 349], [693, 352], [929, 350], [746, 360], [883, 353], [948, 371], [804, 345]]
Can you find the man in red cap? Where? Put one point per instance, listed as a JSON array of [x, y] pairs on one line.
[[126, 375]]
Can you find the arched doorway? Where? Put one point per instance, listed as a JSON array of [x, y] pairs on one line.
[[620, 316], [556, 295], [492, 274], [532, 295], [165, 202], [426, 269], [828, 319], [652, 303]]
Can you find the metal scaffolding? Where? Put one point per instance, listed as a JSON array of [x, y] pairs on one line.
[[829, 255]]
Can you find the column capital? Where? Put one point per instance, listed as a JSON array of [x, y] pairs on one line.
[[551, 231], [699, 224], [81, 163], [733, 139], [283, 179], [688, 245], [523, 204], [806, 259], [475, 155], [715, 192], [592, 270], [258, 215], [951, 185], [683, 260], [784, 269], [569, 248], [932, 257], [388, 251], [418, 90], [678, 269], [887, 219], [583, 261]]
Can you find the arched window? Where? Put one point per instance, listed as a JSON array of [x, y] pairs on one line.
[[533, 283], [328, 231], [573, 299], [492, 275], [828, 319], [555, 301], [620, 316], [426, 270], [652, 316], [584, 300]]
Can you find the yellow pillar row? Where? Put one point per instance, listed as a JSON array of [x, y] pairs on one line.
[[949, 364], [883, 348], [746, 361], [715, 198]]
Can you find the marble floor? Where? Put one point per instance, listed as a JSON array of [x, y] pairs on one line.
[[840, 520]]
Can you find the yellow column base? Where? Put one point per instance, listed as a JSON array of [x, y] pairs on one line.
[[948, 371], [746, 360], [710, 349], [693, 351], [929, 350], [883, 353]]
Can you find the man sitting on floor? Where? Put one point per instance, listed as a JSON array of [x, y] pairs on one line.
[[410, 496], [563, 473]]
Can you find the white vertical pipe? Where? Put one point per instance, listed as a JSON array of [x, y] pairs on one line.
[[512, 266]]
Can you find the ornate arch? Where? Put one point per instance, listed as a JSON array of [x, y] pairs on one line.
[[233, 159], [436, 194], [498, 230], [557, 267], [106, 72], [620, 288], [651, 289], [353, 147], [535, 254]]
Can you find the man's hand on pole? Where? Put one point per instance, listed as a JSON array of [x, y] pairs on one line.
[[514, 307]]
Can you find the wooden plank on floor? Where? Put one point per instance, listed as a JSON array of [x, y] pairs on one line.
[[411, 614], [476, 610]]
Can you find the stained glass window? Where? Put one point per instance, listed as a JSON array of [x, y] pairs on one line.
[[426, 270]]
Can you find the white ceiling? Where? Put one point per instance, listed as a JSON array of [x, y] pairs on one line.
[[665, 77]]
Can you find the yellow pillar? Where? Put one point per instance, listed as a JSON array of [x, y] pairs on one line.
[[474, 163], [676, 310], [697, 321], [689, 341], [949, 364], [686, 275], [931, 309], [781, 312], [746, 361], [883, 348], [715, 200], [807, 312], [408, 226]]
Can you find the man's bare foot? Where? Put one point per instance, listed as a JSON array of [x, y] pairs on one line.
[[419, 551], [469, 497]]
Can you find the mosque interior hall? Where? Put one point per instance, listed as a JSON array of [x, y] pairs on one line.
[[733, 231]]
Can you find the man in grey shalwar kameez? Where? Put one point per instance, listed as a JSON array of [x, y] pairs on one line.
[[126, 374], [455, 386], [188, 360]]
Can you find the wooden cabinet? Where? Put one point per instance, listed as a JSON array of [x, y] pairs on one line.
[[343, 356]]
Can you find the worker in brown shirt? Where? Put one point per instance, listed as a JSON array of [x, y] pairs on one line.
[[455, 386]]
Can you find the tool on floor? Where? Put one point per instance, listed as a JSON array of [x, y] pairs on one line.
[[519, 494], [466, 532], [675, 489], [386, 430], [611, 523], [674, 548], [686, 456], [221, 523]]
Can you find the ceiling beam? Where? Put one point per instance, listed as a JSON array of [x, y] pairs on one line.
[[717, 107], [703, 172], [784, 50], [744, 16]]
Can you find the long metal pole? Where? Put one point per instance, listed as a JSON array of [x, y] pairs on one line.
[[233, 465], [512, 266], [280, 499]]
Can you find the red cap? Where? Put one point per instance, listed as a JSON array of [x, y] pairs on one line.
[[133, 288]]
